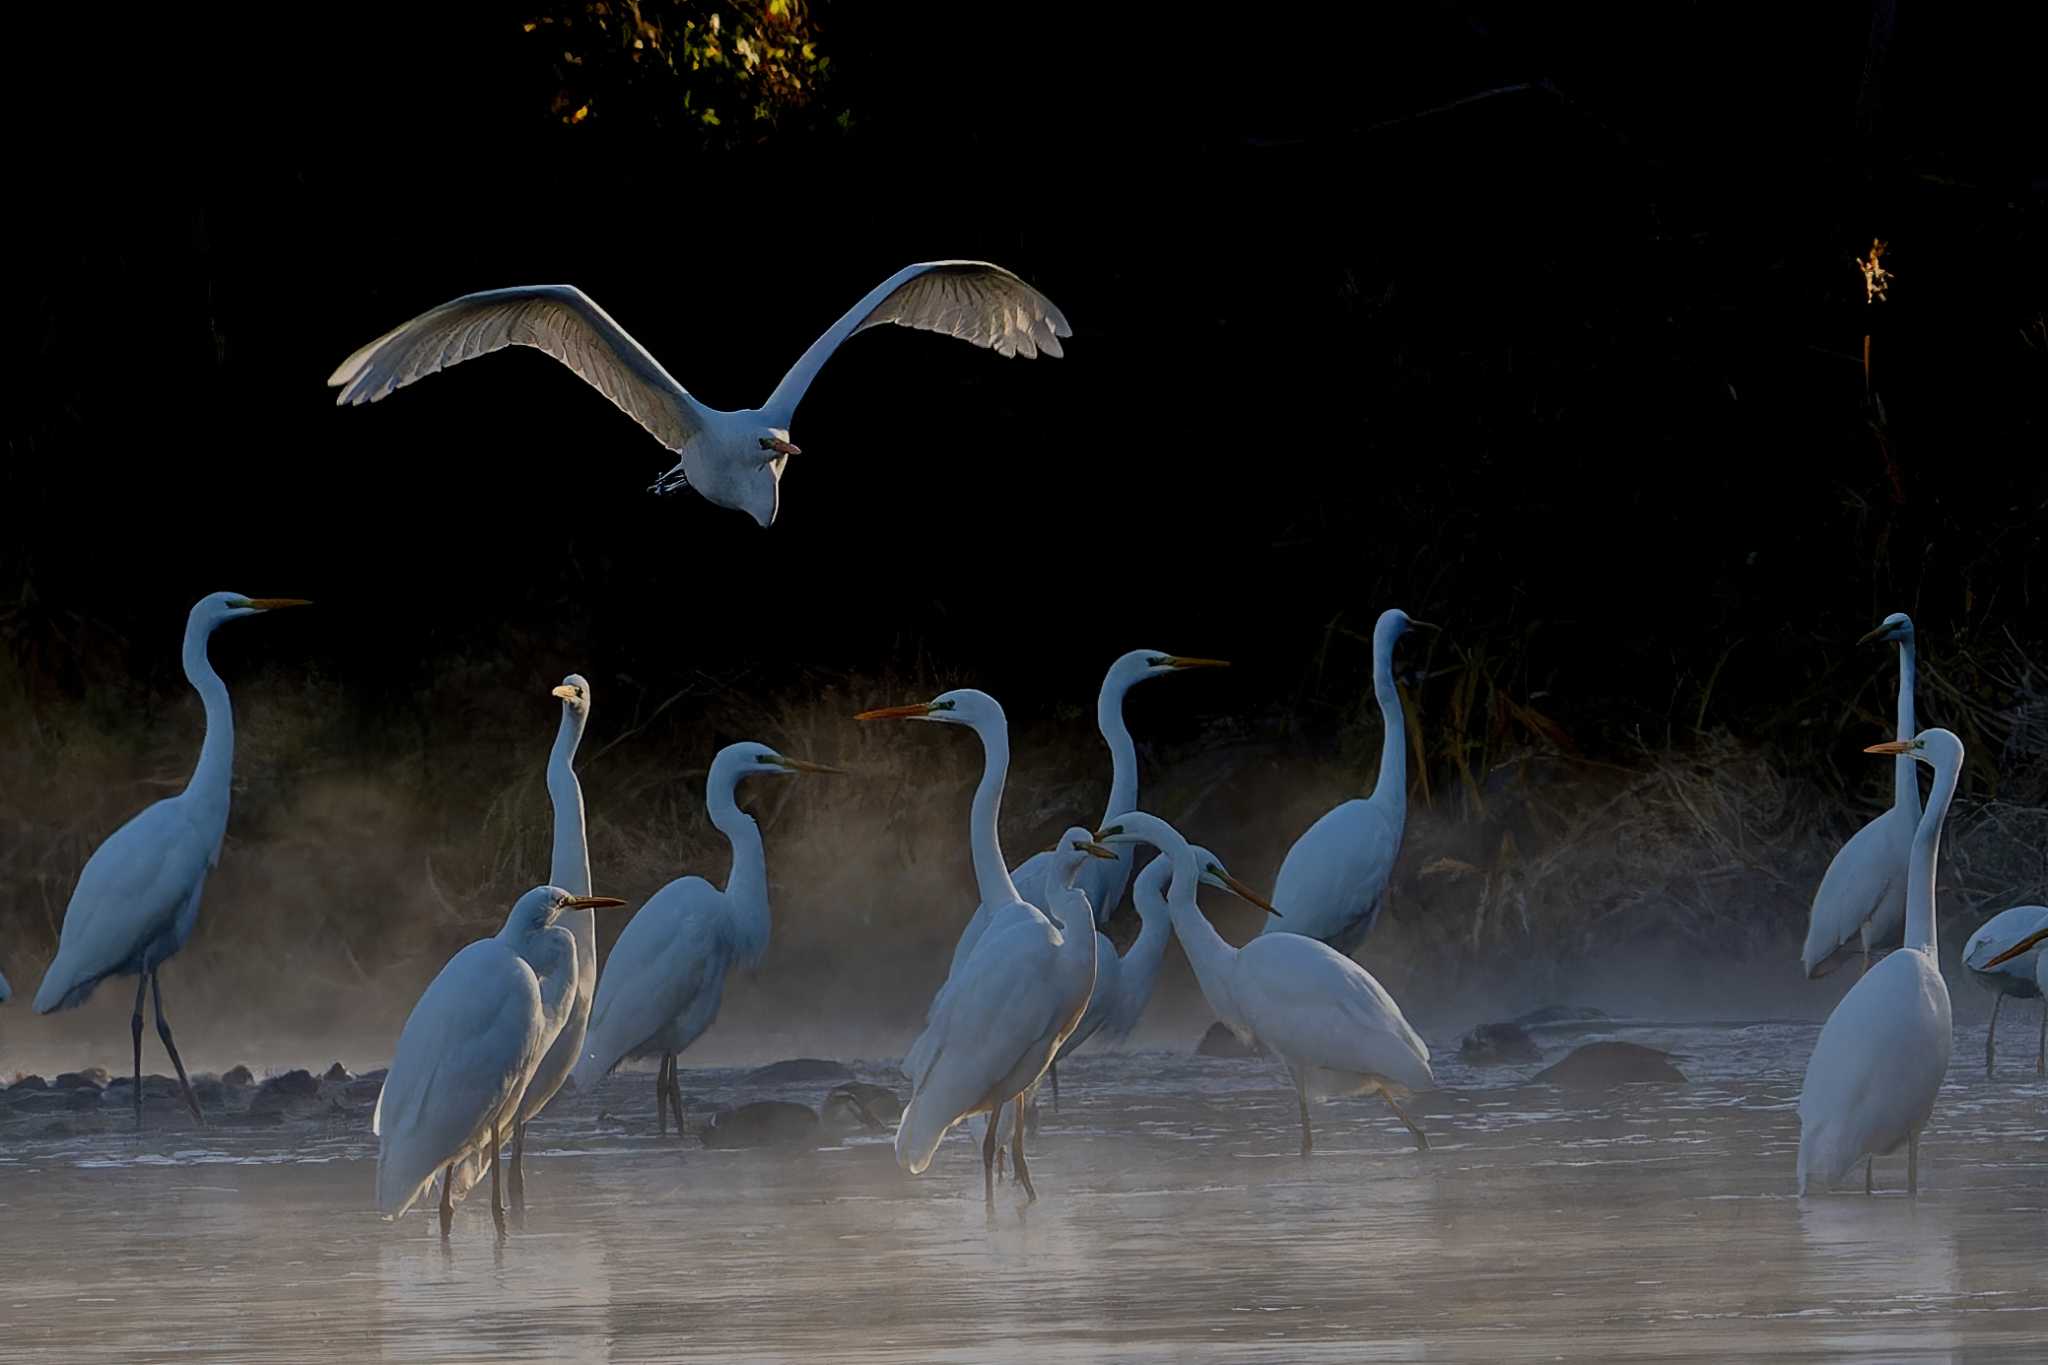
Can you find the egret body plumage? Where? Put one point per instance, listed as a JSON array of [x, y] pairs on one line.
[[662, 986], [2009, 975], [1337, 1029], [137, 899], [1334, 879], [735, 459], [1878, 1066], [1862, 895]]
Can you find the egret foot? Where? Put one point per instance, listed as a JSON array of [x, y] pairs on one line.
[[1421, 1138]]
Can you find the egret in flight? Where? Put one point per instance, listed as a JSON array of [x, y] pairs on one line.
[[735, 459], [137, 900], [1337, 1029], [468, 1051], [1871, 1083], [1862, 896], [568, 868], [1001, 1021], [1334, 880], [663, 983], [2009, 974]]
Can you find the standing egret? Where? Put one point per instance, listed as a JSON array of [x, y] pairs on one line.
[[2007, 973], [569, 868], [137, 899], [1878, 1066], [468, 1051], [735, 459], [665, 977], [1002, 1019], [1862, 896], [1337, 1029], [1334, 880], [2030, 947]]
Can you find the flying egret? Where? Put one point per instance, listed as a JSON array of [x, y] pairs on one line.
[[137, 899], [1337, 1029], [665, 977], [735, 459], [468, 1051], [2014, 974], [1333, 882], [1862, 896], [569, 868], [1871, 1083], [1002, 1020]]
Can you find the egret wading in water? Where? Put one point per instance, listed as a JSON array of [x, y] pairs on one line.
[[568, 868], [663, 983], [2029, 949], [2008, 974], [1871, 1083], [1862, 896], [1337, 1029], [1001, 1022], [137, 899], [735, 459], [468, 1051], [1333, 882]]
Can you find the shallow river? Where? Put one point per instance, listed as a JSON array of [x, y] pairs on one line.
[[1176, 1221]]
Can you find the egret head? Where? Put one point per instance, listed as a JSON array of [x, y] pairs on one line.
[[2025, 945], [1393, 624], [217, 607], [961, 706], [1937, 748], [1898, 626], [575, 695], [1141, 664], [1140, 828], [542, 906], [1073, 851], [738, 761]]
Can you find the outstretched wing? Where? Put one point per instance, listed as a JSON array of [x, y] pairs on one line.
[[973, 300], [556, 318]]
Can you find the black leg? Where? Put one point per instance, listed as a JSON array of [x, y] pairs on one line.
[[447, 1199], [163, 1031], [497, 1199], [1308, 1142], [1017, 1155], [135, 1027], [988, 1157], [518, 1172], [1055, 1068], [1991, 1036], [661, 1097], [675, 1095], [1421, 1138]]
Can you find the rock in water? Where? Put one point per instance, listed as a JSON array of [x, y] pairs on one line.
[[28, 1083], [799, 1070], [281, 1091], [1598, 1064], [92, 1078], [337, 1075], [764, 1123], [1497, 1045], [1219, 1041], [238, 1076], [858, 1105]]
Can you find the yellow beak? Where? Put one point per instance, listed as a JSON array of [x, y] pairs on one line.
[[1184, 661], [922, 708], [1891, 746], [565, 692], [1245, 893], [274, 603], [2022, 946], [804, 765], [1095, 850]]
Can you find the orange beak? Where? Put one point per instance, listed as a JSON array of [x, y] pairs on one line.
[[782, 447], [1245, 893], [2022, 946], [276, 603], [1183, 661], [591, 903], [1892, 747], [915, 711]]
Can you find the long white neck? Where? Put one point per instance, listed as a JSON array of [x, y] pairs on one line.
[[1139, 970], [1393, 781], [1905, 781], [1920, 867], [213, 775], [1104, 881], [991, 873], [746, 888], [569, 865], [1208, 954]]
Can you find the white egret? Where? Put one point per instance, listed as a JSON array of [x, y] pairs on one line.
[[1337, 1029], [1001, 1021], [2009, 974], [1334, 880], [468, 1051], [2030, 948], [665, 978], [735, 459], [1871, 1083], [1862, 896], [568, 868], [137, 899]]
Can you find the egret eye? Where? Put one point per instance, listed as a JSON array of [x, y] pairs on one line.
[[767, 444], [942, 706], [1157, 661]]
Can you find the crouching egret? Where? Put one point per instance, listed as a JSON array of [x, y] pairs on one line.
[[1337, 1029], [2030, 946], [137, 899], [1872, 1081], [568, 868], [735, 459], [1862, 895], [1334, 880], [2009, 973], [1002, 1020], [468, 1051], [663, 983]]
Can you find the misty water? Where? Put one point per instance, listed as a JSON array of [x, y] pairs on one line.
[[1176, 1221]]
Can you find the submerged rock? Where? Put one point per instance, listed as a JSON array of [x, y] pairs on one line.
[[764, 1123], [364, 1091], [798, 1070], [29, 1082], [285, 1091], [337, 1074], [858, 1104], [92, 1078], [1497, 1045], [122, 1089], [213, 1096], [1219, 1041], [238, 1076], [1598, 1064]]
